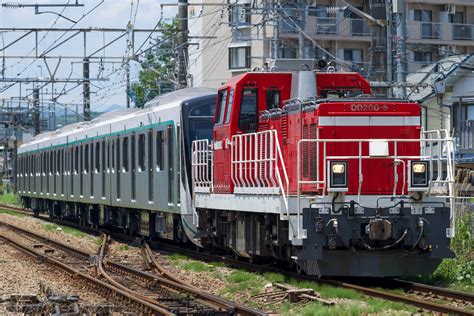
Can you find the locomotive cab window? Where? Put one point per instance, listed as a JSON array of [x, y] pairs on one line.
[[221, 102], [248, 111], [229, 106], [273, 99]]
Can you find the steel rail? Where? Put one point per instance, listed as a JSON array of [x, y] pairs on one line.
[[431, 306], [239, 308], [206, 299], [425, 288], [162, 309], [95, 282]]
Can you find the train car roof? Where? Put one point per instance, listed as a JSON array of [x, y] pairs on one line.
[[182, 95], [165, 102]]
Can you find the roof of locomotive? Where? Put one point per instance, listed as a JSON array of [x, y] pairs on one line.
[[164, 102]]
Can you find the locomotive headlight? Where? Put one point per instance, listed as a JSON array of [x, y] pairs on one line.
[[337, 176], [419, 174]]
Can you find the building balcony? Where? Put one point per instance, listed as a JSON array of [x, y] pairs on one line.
[[462, 32], [326, 26], [430, 30], [440, 33]]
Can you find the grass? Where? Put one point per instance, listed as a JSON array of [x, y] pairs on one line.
[[185, 263], [67, 230], [12, 213], [357, 304], [122, 247], [9, 198], [456, 273]]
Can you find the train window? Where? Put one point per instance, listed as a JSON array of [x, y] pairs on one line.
[[159, 150], [45, 164], [248, 111], [76, 160], [112, 157], [86, 158], [97, 157], [229, 106], [58, 161], [222, 100], [141, 152], [125, 154], [103, 156], [273, 99], [117, 147], [51, 162]]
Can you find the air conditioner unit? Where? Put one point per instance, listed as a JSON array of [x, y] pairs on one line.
[[450, 8]]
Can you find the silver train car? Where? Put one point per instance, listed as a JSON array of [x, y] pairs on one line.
[[130, 169]]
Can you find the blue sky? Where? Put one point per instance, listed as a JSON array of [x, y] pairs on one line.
[[110, 14]]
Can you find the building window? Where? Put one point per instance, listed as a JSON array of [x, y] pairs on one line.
[[424, 57], [457, 18], [239, 14], [239, 57], [354, 55], [423, 15]]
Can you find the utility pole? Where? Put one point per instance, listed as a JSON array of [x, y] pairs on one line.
[[388, 13], [276, 33], [36, 111], [378, 33], [182, 43], [86, 90], [127, 92], [302, 19], [399, 8]]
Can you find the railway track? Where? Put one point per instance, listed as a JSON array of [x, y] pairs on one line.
[[423, 296], [146, 292]]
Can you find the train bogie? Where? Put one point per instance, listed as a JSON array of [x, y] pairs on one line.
[[123, 169]]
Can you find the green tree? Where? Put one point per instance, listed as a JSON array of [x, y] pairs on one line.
[[158, 66]]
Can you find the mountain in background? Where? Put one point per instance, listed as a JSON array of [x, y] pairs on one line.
[[107, 108]]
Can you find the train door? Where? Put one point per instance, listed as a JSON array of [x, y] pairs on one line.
[[170, 150], [119, 168], [222, 183], [133, 167], [103, 169], [150, 164]]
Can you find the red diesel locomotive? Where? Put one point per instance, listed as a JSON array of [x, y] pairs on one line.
[[308, 167]]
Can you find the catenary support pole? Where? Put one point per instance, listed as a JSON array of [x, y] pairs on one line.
[[399, 9], [182, 43], [86, 90]]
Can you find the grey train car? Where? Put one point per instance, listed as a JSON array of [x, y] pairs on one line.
[[129, 169]]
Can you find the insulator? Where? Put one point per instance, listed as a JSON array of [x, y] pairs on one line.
[[11, 5], [333, 10]]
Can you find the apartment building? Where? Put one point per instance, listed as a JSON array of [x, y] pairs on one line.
[[238, 36]]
